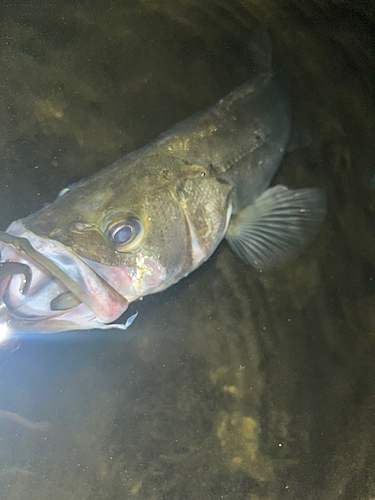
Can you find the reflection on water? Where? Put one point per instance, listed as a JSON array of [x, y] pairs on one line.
[[232, 384]]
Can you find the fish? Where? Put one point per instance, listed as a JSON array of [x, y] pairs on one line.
[[151, 218]]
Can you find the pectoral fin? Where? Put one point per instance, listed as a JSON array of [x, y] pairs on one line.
[[277, 226]]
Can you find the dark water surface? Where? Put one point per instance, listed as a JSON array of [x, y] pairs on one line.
[[232, 384]]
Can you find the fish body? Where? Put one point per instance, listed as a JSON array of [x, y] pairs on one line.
[[154, 216]]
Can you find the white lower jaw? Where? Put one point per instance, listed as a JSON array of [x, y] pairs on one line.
[[32, 313], [79, 318]]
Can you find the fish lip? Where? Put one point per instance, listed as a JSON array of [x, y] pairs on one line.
[[99, 297]]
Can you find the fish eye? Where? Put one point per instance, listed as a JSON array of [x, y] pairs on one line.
[[125, 235], [122, 233]]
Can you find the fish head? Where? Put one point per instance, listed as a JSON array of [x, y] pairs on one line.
[[107, 241]]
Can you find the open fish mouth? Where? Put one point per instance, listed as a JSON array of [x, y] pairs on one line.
[[45, 287]]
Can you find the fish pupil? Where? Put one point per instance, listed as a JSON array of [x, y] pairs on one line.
[[122, 234]]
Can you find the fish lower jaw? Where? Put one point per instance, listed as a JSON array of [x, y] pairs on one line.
[[23, 314], [61, 323], [34, 312]]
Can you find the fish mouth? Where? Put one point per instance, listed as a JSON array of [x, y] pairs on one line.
[[45, 287]]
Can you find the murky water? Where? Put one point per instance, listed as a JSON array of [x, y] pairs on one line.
[[232, 384]]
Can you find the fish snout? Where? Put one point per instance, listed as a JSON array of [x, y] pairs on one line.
[[45, 287]]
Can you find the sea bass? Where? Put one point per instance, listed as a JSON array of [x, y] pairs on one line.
[[140, 225]]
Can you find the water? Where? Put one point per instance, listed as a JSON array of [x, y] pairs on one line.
[[232, 384]]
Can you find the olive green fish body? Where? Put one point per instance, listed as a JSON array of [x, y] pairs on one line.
[[152, 217]]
